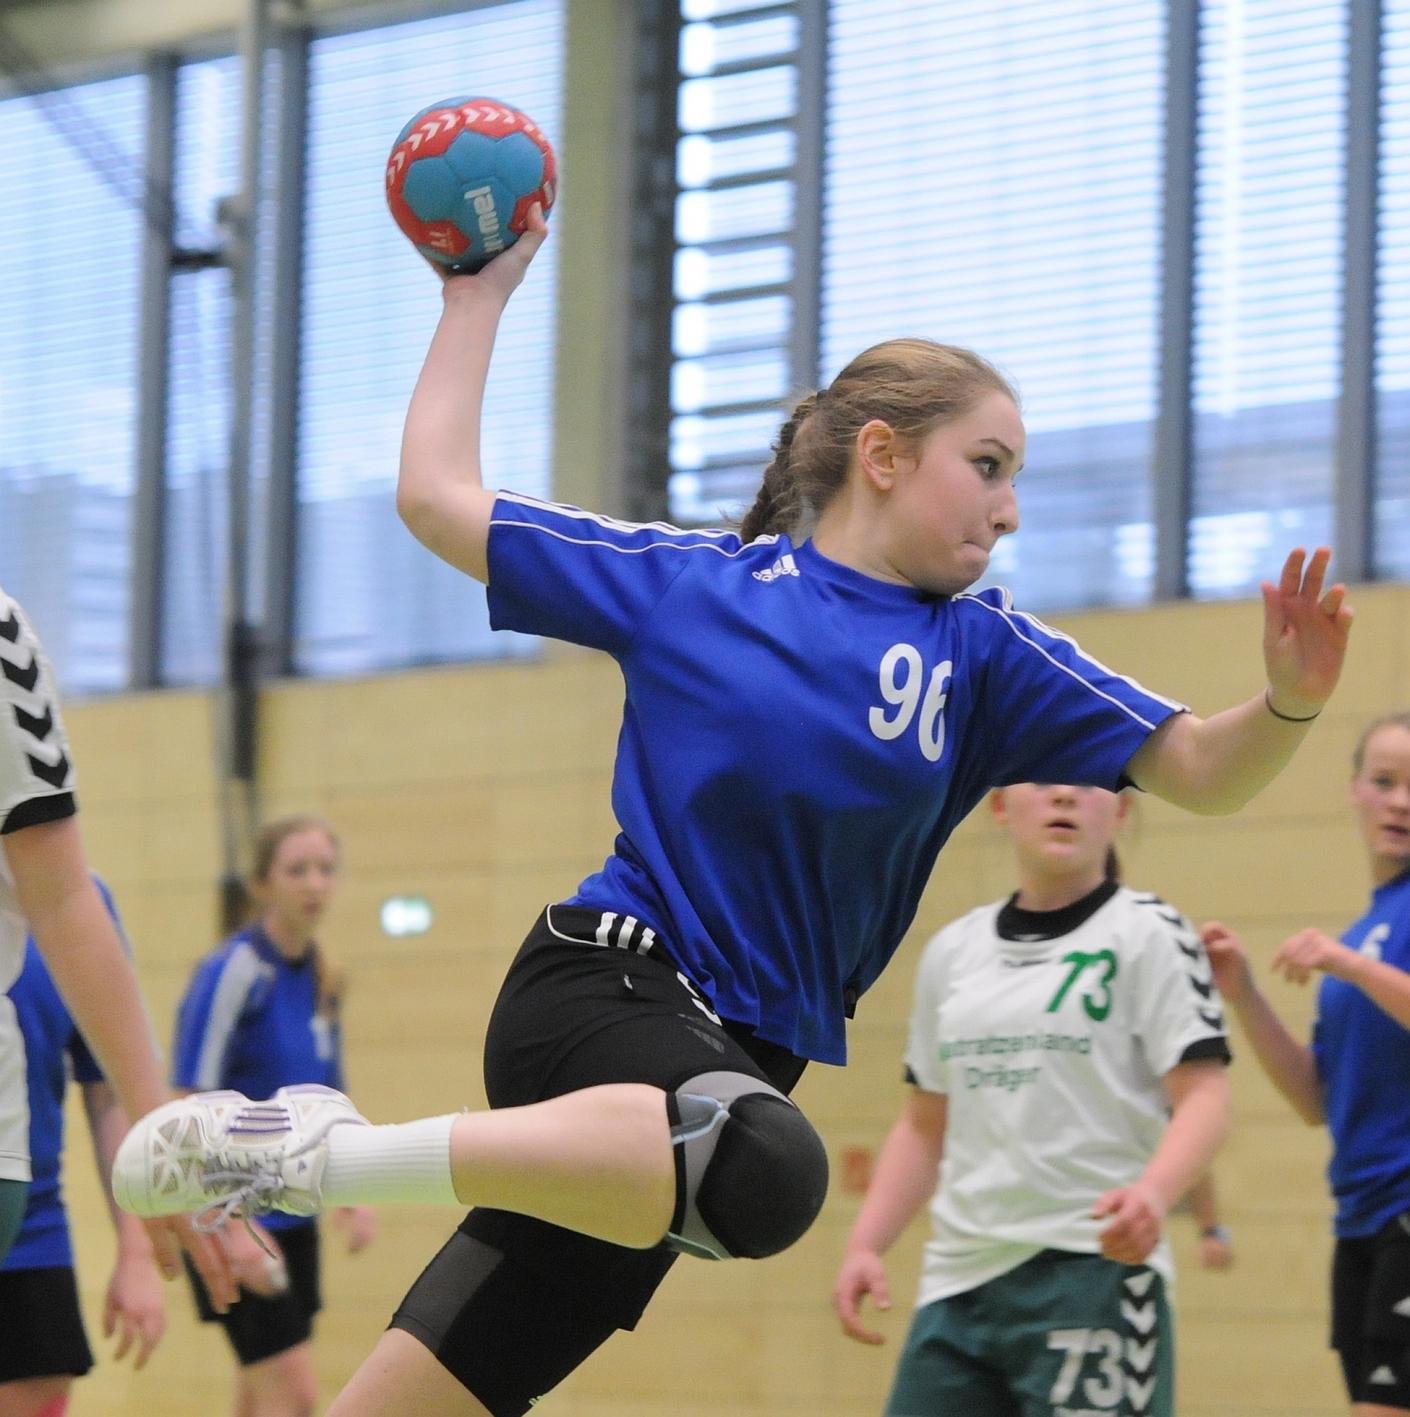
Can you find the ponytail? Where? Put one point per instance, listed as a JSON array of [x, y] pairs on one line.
[[1113, 866], [778, 504], [329, 984]]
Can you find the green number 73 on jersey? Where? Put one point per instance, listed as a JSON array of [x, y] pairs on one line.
[[1096, 993]]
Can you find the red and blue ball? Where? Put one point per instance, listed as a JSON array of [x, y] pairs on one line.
[[462, 176]]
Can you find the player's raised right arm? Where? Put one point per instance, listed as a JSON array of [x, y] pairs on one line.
[[441, 494]]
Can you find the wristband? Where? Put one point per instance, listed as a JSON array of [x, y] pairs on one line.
[[1216, 1232], [1286, 717]]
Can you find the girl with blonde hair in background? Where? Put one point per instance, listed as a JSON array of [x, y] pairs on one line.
[[1354, 1075], [263, 1011]]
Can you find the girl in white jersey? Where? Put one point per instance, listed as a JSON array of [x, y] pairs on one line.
[[811, 706], [46, 888], [1068, 1056]]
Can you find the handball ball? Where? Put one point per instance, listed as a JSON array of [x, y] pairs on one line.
[[462, 176]]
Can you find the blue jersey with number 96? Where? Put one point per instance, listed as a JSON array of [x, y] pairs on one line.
[[798, 741]]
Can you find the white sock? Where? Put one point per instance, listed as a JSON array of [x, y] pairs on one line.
[[407, 1161]]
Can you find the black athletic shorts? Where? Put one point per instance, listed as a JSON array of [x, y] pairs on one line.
[[42, 1326], [1371, 1314], [512, 1305], [259, 1327]]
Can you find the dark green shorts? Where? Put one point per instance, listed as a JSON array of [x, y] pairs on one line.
[[1063, 1335], [13, 1195]]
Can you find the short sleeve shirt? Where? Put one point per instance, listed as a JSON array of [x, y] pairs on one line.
[[1051, 1052], [1363, 1059], [36, 786], [36, 771], [249, 1020], [798, 742]]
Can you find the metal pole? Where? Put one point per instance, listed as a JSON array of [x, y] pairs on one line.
[[806, 340], [240, 685], [149, 503], [280, 522], [1172, 455], [1355, 490]]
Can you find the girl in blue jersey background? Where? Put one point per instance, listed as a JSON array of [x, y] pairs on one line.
[[811, 706], [261, 1011], [45, 1346], [1354, 1076]]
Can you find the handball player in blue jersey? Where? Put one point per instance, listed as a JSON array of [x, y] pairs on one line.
[[264, 1009], [812, 704], [45, 1346], [1355, 1074]]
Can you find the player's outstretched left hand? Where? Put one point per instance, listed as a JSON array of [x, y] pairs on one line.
[[1305, 633]]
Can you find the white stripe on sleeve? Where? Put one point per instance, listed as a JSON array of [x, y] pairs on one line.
[[1011, 617], [242, 970]]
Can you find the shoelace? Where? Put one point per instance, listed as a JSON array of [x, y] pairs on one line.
[[254, 1196]]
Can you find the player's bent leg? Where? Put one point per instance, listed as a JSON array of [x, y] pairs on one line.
[[282, 1386], [597, 1161], [751, 1171], [400, 1375], [35, 1397]]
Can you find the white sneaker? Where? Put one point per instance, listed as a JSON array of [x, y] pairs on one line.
[[220, 1155]]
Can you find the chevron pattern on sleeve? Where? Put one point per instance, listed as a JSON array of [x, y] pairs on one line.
[[40, 737]]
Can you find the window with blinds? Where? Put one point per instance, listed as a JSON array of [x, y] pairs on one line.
[[737, 307], [994, 180], [1392, 506], [367, 595], [206, 169], [70, 237], [1268, 254]]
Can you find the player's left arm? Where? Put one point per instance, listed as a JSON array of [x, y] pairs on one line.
[[1215, 765], [133, 1307], [1199, 1121], [1314, 951]]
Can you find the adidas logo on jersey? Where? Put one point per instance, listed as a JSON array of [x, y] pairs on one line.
[[784, 566]]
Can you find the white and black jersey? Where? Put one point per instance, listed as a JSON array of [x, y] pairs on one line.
[[36, 786], [1050, 1034]]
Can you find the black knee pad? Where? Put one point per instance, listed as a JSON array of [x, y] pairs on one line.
[[751, 1171]]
